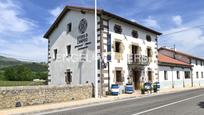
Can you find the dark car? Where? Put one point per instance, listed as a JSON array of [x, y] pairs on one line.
[[147, 86]]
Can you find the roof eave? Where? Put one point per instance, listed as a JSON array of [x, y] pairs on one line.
[[67, 8], [172, 64]]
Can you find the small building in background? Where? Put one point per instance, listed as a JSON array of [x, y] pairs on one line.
[[174, 73], [197, 64]]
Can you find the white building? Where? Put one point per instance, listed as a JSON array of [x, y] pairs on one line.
[[174, 73], [196, 77], [127, 51]]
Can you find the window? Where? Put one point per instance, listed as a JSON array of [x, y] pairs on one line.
[[149, 76], [178, 74], [149, 52], [118, 76], [196, 62], [135, 49], [55, 54], [69, 27], [197, 76], [148, 38], [187, 74], [117, 47], [68, 77], [202, 75], [134, 34], [165, 75], [117, 29], [99, 64], [69, 50]]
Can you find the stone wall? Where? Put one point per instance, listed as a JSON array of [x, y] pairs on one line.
[[11, 97]]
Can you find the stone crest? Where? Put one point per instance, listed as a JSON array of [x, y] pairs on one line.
[[82, 26]]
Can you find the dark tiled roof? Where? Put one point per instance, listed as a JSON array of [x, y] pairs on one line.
[[99, 11]]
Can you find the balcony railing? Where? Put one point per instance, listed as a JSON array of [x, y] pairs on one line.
[[138, 59]]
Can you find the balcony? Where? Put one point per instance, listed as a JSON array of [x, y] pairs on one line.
[[137, 59]]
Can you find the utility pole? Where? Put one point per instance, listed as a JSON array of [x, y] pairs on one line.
[[96, 58]]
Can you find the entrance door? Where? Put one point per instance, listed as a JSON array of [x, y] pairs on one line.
[[136, 79]]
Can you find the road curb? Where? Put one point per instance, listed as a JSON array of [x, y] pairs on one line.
[[103, 102]]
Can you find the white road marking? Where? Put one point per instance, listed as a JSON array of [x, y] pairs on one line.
[[159, 107]]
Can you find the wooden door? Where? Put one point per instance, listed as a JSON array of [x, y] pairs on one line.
[[136, 79]]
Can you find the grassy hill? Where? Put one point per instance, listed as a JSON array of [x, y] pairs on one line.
[[6, 62], [11, 62]]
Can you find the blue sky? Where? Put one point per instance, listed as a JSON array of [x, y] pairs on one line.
[[23, 23]]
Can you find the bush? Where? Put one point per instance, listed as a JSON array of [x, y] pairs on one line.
[[41, 75], [20, 73]]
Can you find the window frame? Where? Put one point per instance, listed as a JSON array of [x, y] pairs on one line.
[[117, 29], [68, 50], [165, 75], [148, 38], [68, 77], [178, 75], [69, 27], [197, 75], [187, 73], [149, 52], [120, 80], [117, 47], [135, 34], [55, 54]]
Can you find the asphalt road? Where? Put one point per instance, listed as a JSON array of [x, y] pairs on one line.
[[181, 103]]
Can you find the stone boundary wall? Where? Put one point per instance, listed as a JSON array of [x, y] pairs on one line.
[[11, 97]]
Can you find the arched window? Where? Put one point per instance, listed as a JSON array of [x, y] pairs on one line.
[[134, 34], [117, 29]]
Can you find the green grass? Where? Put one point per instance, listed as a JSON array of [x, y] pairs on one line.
[[19, 83]]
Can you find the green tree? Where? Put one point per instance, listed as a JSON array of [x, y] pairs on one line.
[[24, 73], [41, 75], [19, 73], [10, 74]]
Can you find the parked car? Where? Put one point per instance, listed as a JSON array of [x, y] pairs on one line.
[[146, 87]]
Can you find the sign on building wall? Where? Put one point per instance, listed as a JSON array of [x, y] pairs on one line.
[[82, 40], [109, 47]]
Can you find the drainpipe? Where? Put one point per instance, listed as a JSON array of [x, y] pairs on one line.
[[172, 77], [191, 75], [183, 78], [157, 59]]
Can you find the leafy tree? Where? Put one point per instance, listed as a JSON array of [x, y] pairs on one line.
[[19, 73], [23, 73], [41, 75], [10, 74]]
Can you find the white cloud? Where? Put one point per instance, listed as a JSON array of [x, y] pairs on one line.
[[10, 20], [55, 12], [32, 49], [186, 38], [150, 22], [177, 20], [17, 38]]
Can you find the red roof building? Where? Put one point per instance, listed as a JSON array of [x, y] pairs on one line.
[[165, 60]]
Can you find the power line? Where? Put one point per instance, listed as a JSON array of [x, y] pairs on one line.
[[198, 26]]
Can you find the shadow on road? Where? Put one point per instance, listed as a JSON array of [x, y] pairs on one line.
[[201, 104]]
